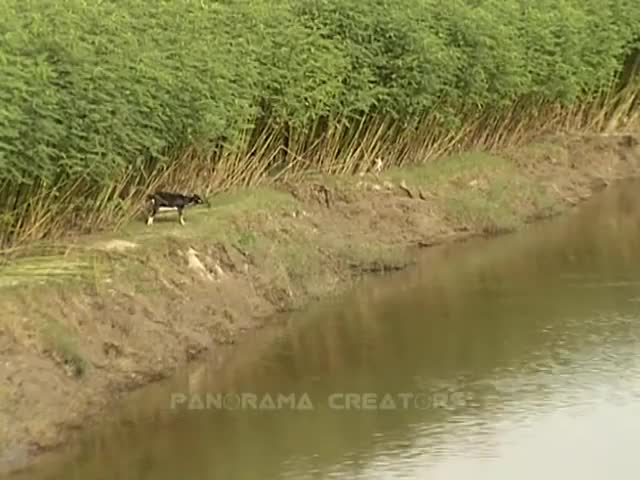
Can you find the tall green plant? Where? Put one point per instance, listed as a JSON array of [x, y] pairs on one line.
[[93, 92]]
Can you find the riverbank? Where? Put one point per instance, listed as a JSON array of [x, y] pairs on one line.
[[88, 321]]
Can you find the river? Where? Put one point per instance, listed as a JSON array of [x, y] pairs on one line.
[[511, 358]]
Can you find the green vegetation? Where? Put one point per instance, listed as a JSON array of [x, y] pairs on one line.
[[102, 101], [62, 345], [480, 192]]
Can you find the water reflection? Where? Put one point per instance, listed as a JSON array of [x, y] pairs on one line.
[[541, 329]]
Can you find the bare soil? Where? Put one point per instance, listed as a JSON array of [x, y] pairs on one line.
[[84, 323]]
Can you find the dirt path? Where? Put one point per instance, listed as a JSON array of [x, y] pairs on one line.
[[84, 323]]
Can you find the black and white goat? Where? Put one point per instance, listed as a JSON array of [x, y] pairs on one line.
[[167, 201]]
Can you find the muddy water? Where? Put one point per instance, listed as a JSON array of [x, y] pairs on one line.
[[513, 358]]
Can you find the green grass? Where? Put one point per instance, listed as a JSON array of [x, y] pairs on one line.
[[478, 189], [55, 268], [438, 174], [63, 344], [227, 220], [214, 222]]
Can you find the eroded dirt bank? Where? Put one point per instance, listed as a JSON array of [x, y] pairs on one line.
[[86, 322]]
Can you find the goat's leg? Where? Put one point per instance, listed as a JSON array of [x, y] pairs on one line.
[[181, 215], [152, 214]]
